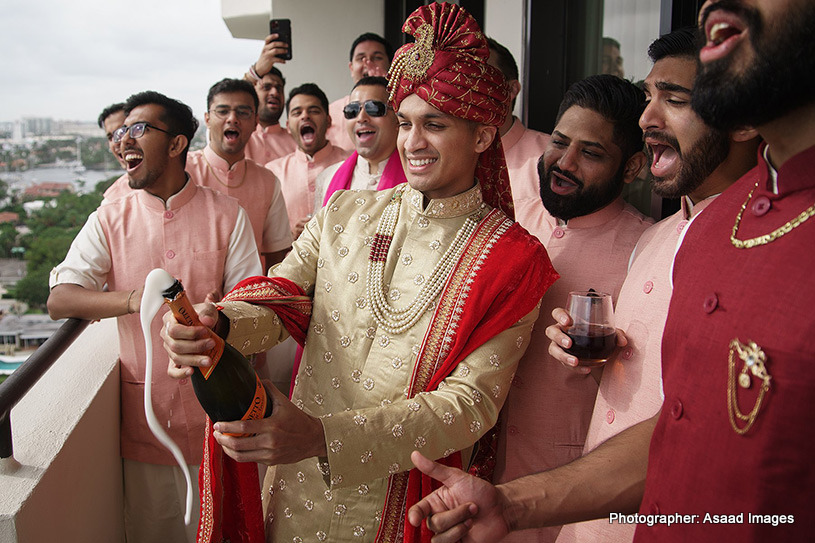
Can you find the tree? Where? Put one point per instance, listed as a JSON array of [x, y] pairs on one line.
[[52, 231]]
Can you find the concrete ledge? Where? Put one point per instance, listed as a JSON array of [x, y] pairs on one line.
[[65, 482]]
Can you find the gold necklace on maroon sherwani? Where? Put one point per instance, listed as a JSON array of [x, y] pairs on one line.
[[772, 236]]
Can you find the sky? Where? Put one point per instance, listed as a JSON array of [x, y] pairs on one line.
[[69, 59]]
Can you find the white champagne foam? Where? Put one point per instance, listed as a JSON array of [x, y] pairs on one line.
[[157, 282]]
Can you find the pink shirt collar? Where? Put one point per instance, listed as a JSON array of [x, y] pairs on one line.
[[176, 201], [320, 156], [514, 133], [216, 162]]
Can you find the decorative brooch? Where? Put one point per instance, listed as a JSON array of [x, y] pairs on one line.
[[413, 63], [754, 366]]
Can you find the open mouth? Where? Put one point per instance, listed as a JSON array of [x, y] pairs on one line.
[[232, 136], [132, 158], [664, 157], [308, 134], [562, 185], [723, 31], [365, 134]]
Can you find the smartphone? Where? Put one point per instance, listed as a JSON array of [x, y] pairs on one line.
[[282, 27]]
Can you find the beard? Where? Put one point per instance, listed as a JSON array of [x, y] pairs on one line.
[[268, 116], [779, 80], [698, 163], [583, 201]]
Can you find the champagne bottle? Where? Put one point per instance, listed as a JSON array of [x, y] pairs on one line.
[[229, 389]]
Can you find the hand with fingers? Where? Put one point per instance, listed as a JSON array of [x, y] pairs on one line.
[[465, 509], [185, 344], [560, 341], [287, 436], [270, 55]]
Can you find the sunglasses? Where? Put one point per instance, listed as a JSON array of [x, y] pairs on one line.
[[374, 108], [136, 131]]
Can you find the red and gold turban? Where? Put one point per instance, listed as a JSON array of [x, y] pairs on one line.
[[447, 68]]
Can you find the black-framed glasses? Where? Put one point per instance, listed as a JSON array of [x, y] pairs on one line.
[[243, 113], [136, 131], [374, 108]]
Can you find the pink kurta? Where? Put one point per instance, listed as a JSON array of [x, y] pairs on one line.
[[297, 172], [192, 236], [522, 149], [546, 416], [118, 189], [267, 144], [631, 386], [256, 189], [337, 134]]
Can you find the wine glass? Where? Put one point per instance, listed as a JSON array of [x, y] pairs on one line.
[[592, 332]]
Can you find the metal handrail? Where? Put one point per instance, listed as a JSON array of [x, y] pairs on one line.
[[13, 389]]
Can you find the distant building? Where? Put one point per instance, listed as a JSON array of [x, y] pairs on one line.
[[46, 190], [25, 332], [9, 216], [37, 126]]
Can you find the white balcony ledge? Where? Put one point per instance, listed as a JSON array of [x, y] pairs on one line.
[[65, 481]]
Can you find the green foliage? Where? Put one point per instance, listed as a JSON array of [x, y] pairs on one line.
[[69, 211], [52, 231], [33, 288], [8, 239], [102, 186]]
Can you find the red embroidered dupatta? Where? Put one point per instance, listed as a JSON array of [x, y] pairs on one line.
[[231, 507], [485, 295]]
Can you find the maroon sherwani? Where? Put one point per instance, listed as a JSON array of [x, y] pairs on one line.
[[698, 463]]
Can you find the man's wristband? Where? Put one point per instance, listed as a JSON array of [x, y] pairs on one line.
[[253, 73]]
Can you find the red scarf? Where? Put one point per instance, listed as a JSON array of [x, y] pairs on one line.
[[231, 508], [482, 297], [392, 175]]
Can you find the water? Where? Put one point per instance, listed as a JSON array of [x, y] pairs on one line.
[[83, 181], [7, 367]]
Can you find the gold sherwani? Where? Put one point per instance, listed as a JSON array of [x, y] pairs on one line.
[[355, 377]]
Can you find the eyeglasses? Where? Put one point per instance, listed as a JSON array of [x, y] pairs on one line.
[[136, 131], [374, 108], [243, 113]]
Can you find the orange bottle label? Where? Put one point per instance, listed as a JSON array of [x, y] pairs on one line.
[[185, 314], [258, 407]]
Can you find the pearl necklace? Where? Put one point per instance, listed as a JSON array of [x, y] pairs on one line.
[[397, 320]]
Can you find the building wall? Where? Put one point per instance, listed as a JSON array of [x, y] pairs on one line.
[[504, 22], [322, 34]]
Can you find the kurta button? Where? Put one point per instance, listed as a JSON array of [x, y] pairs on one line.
[[627, 353], [170, 254], [168, 214], [610, 416], [648, 287], [513, 430], [558, 233], [677, 409], [760, 206], [711, 303], [681, 226], [654, 508], [183, 381]]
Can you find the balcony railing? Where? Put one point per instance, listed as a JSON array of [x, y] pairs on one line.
[[63, 482]]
